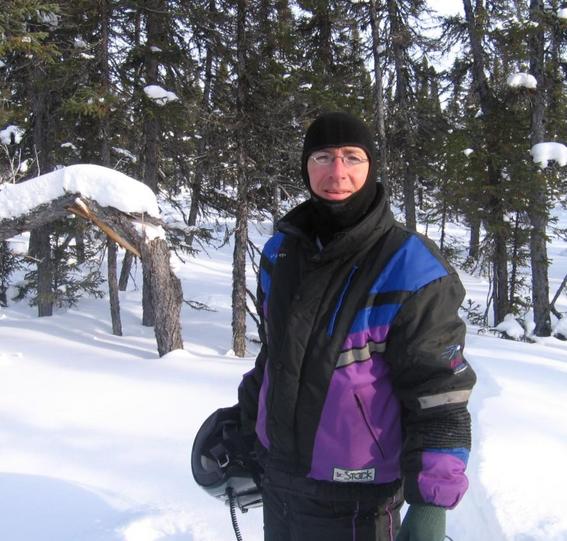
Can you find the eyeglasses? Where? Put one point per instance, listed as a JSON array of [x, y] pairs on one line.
[[324, 159]]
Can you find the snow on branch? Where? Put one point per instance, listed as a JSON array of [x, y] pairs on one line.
[[522, 80], [543, 153], [109, 188], [125, 209], [159, 95], [11, 135]]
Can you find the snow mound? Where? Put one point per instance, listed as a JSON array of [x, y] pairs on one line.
[[511, 327]]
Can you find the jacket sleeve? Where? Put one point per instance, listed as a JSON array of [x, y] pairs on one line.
[[249, 389], [433, 381]]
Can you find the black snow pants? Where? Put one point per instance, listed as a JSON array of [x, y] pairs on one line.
[[290, 515]]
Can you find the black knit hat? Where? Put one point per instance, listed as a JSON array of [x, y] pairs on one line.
[[336, 130]]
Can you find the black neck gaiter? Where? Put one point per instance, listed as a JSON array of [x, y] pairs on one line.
[[331, 217]]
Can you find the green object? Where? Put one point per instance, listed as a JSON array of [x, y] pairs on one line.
[[423, 523]]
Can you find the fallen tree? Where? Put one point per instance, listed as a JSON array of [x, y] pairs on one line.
[[139, 233]]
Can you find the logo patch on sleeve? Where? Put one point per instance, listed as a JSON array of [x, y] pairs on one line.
[[354, 476]]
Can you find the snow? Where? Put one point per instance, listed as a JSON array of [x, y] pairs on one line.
[[522, 80], [159, 94], [468, 151], [543, 153], [108, 187], [126, 153], [96, 429], [511, 327], [11, 132], [80, 43], [69, 145], [560, 327]]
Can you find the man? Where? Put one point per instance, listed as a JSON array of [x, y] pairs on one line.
[[360, 390]]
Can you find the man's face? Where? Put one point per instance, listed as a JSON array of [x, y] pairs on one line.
[[336, 173]]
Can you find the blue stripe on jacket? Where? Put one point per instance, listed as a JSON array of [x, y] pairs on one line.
[[412, 267]]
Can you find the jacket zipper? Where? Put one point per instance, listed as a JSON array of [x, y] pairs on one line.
[[331, 327], [367, 423]]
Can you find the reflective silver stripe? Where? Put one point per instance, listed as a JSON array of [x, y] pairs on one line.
[[452, 397], [362, 354]]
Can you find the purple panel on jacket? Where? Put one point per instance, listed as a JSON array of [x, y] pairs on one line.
[[360, 400], [261, 430], [442, 480], [360, 339]]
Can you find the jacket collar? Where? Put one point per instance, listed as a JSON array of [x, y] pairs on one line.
[[378, 220]]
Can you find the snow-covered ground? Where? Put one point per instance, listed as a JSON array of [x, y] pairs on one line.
[[96, 430]]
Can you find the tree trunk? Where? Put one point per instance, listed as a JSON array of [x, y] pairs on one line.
[[4, 273], [537, 211], [495, 221], [40, 245], [148, 309], [167, 295], [379, 115], [276, 204], [113, 289], [516, 243], [198, 179], [125, 271], [155, 26], [103, 51], [104, 132], [40, 249], [474, 239], [403, 107], [241, 231]]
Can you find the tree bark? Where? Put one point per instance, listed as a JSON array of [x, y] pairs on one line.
[[537, 211], [379, 114], [167, 295], [113, 289], [155, 26], [198, 179], [125, 271], [148, 309], [403, 105], [40, 249], [495, 223], [241, 231], [40, 239], [474, 239]]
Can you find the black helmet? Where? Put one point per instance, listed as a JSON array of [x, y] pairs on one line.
[[222, 461]]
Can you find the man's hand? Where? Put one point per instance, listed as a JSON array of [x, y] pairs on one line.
[[423, 523]]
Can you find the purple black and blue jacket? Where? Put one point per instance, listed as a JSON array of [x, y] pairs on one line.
[[361, 379]]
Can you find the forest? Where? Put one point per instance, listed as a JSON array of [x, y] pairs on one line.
[[206, 102]]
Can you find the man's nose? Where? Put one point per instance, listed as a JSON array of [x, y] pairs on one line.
[[338, 166]]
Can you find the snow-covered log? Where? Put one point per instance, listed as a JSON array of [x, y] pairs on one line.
[[24, 207]]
